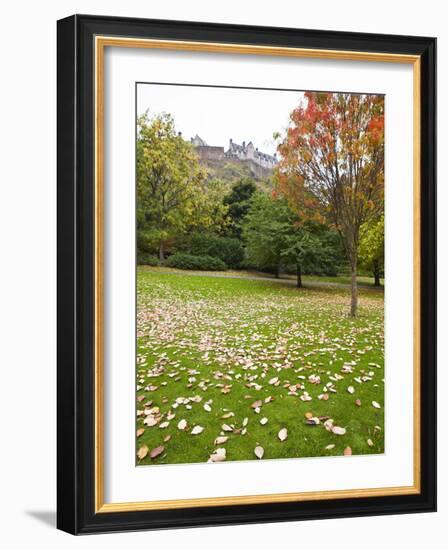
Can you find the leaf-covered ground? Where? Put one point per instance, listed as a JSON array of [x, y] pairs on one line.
[[235, 369]]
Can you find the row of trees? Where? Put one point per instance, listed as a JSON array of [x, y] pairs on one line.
[[323, 208]]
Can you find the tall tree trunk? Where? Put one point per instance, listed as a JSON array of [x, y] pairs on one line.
[[376, 274], [354, 288], [299, 276], [161, 252]]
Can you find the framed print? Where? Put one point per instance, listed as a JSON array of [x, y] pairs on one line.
[[246, 274]]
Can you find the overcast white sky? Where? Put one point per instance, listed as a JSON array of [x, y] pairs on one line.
[[218, 114]]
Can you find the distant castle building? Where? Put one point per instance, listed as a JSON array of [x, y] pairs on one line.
[[250, 152], [237, 152]]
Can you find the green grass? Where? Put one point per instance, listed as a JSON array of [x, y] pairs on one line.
[[200, 335], [363, 281]]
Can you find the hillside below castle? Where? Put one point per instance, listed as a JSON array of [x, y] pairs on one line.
[[256, 163]]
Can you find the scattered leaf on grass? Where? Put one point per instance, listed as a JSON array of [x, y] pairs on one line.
[[259, 452], [338, 430], [376, 405], [182, 424], [263, 421], [150, 421], [140, 432], [257, 404], [358, 402], [227, 428], [142, 452], [218, 456], [197, 430], [347, 451], [351, 389], [157, 451], [370, 443], [221, 439], [283, 434], [329, 447]]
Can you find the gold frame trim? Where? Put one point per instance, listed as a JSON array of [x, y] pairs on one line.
[[101, 42]]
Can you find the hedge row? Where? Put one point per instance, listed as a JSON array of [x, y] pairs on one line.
[[201, 263]]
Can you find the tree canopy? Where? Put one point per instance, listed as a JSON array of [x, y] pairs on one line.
[[172, 194], [332, 165]]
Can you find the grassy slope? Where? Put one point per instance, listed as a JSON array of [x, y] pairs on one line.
[[216, 331]]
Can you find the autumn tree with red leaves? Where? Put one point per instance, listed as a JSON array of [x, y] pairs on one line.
[[332, 165]]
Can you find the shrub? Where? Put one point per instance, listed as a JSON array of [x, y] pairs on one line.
[[227, 249], [144, 258], [201, 263]]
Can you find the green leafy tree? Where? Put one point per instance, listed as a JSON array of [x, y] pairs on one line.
[[264, 229], [171, 192], [276, 239], [303, 250], [238, 202], [371, 248]]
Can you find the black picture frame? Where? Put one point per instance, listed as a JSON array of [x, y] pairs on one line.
[[76, 271]]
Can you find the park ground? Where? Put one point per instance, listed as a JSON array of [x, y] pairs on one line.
[[256, 367]]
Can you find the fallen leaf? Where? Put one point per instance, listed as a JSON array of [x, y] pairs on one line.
[[142, 452], [370, 443], [328, 424], [263, 421], [323, 396], [329, 447], [283, 434], [164, 425], [182, 424], [151, 421], [257, 404], [358, 402], [221, 439], [347, 451], [227, 428], [157, 451], [166, 438], [140, 432], [309, 415], [338, 430], [259, 452], [219, 455], [351, 389], [207, 407], [376, 405], [197, 430]]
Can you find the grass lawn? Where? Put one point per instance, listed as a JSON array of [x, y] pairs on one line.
[[242, 273], [224, 354]]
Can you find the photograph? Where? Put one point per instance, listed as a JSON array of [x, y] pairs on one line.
[[260, 273]]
